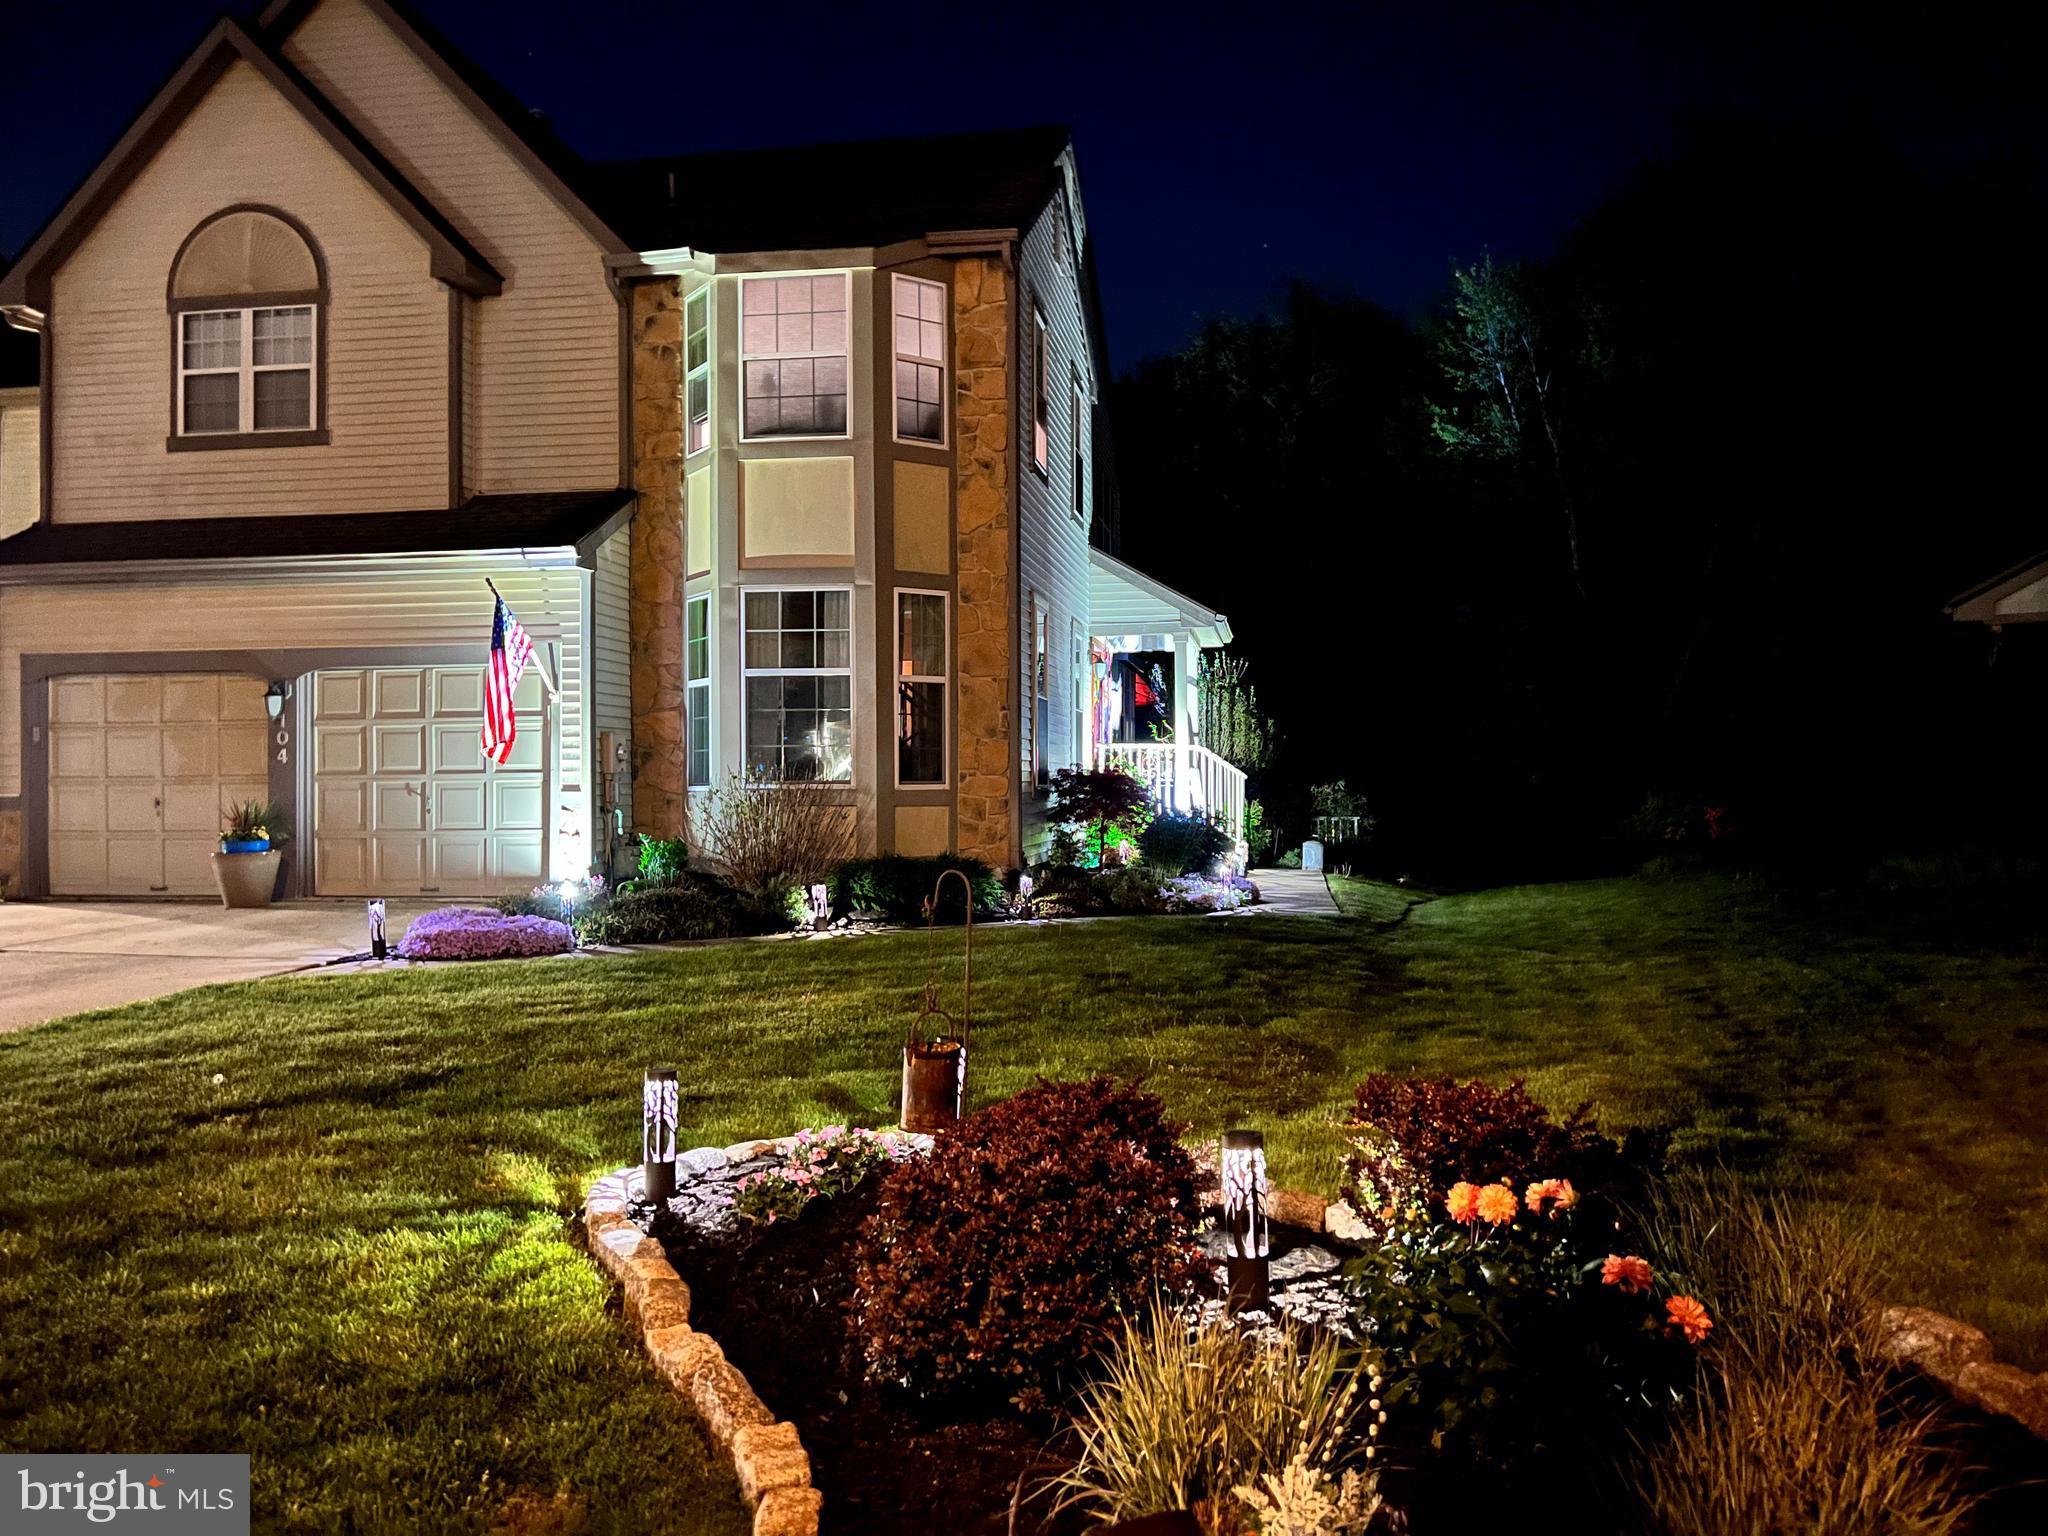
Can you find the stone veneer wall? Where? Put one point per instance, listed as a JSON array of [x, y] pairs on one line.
[[10, 849], [983, 328], [660, 800]]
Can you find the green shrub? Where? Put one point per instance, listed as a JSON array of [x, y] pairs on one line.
[[897, 887], [1798, 1425], [1070, 890], [1409, 1139], [1185, 1416], [542, 901], [1003, 1260], [662, 859], [697, 909], [1184, 845]]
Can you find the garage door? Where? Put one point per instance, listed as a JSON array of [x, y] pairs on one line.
[[140, 771], [403, 798]]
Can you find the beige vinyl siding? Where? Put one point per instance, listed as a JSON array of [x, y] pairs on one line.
[[375, 605], [21, 459], [386, 347], [547, 347], [611, 660]]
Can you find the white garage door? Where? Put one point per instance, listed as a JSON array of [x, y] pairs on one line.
[[403, 799], [141, 769]]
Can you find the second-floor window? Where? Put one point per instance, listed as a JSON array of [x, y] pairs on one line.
[[1077, 424], [246, 370], [1041, 394], [793, 356], [697, 369], [248, 302], [919, 312]]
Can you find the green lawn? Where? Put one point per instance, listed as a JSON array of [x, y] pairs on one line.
[[350, 1255]]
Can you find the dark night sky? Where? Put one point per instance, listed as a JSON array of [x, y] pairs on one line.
[[1222, 149]]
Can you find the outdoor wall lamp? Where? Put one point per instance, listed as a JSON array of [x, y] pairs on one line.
[[1246, 1237], [658, 1106], [273, 699]]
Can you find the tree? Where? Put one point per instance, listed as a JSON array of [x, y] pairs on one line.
[[1233, 725], [1499, 377], [1102, 800]]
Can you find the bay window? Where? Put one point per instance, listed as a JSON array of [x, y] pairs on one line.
[[697, 674], [921, 671], [919, 316], [798, 682], [793, 356]]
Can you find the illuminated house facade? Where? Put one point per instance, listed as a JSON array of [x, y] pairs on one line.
[[789, 462]]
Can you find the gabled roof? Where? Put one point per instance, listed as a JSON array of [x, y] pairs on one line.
[[562, 173], [528, 520], [1123, 600], [830, 196], [451, 258], [1981, 604]]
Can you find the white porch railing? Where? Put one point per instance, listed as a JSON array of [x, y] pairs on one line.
[[1185, 780]]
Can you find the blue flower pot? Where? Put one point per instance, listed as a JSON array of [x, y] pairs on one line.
[[235, 845]]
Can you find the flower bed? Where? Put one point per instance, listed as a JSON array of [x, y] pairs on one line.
[[467, 933]]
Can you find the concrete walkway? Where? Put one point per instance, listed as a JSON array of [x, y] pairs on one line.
[[63, 957], [1293, 893]]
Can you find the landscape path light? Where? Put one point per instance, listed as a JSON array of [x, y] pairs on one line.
[[380, 945], [1247, 1240], [659, 1103]]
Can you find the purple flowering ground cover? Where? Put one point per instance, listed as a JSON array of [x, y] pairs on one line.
[[468, 933]]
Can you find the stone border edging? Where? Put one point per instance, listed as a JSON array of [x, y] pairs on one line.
[[1960, 1359], [769, 1460]]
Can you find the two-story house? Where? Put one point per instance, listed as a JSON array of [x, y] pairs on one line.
[[788, 462]]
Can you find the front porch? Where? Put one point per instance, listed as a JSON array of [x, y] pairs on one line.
[[1145, 649]]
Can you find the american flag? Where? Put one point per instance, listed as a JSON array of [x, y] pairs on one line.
[[510, 652]]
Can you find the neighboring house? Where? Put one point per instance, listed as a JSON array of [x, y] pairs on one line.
[[787, 460], [2017, 596]]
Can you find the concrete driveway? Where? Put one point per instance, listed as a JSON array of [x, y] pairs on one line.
[[63, 957]]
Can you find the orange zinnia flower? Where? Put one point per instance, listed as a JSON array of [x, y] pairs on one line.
[[1631, 1274], [1498, 1205], [1463, 1201], [1559, 1191], [1688, 1317]]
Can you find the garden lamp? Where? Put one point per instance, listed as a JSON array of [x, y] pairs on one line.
[[379, 947], [1246, 1237], [658, 1106]]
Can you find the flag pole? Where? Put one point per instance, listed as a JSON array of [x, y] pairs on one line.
[[535, 661]]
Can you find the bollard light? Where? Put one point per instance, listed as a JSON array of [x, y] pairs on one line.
[[1246, 1237], [379, 947], [658, 1106], [821, 907]]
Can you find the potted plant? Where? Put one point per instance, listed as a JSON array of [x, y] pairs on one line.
[[245, 868]]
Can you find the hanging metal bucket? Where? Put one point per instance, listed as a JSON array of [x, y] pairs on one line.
[[934, 1084], [935, 1052]]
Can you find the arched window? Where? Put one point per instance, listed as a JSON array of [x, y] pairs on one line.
[[248, 298]]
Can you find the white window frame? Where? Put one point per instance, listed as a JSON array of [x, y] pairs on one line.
[[852, 778], [845, 277], [700, 298], [1078, 682], [248, 368], [945, 682], [898, 356], [695, 687], [1077, 422], [1041, 394]]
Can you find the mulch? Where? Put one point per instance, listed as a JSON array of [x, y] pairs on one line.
[[777, 1299]]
